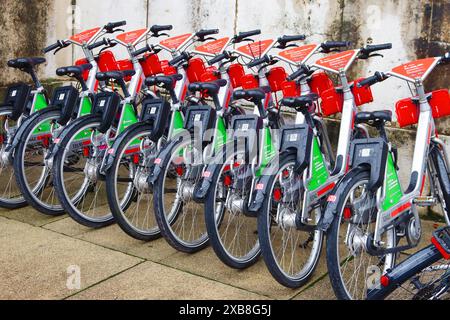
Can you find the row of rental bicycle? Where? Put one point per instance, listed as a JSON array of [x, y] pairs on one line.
[[196, 149]]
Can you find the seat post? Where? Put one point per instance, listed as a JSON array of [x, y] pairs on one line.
[[34, 76]]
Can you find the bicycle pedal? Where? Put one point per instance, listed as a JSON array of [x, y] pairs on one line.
[[441, 240], [425, 201]]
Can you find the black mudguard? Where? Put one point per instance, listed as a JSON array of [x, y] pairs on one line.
[[443, 175], [160, 159], [333, 202], [112, 154], [373, 153], [260, 193], [20, 134], [57, 145]]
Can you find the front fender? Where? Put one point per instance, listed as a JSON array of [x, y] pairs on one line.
[[20, 134], [112, 152], [334, 202], [161, 160], [57, 142], [260, 193]]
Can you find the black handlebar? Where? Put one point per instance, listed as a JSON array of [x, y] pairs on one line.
[[113, 25], [246, 35], [367, 51], [156, 29], [182, 57], [143, 50], [103, 42], [206, 32], [219, 58], [377, 77], [260, 61], [58, 45], [303, 70], [284, 40], [332, 45]]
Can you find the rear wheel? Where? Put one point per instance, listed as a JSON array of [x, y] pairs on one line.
[[128, 178], [10, 195], [350, 266], [80, 187], [33, 170], [291, 255]]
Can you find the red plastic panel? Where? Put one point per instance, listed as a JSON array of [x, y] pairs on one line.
[[151, 65], [195, 70], [291, 89], [415, 69], [362, 95], [320, 82], [332, 102], [80, 62], [132, 37], [107, 62], [338, 61], [209, 76], [277, 76], [124, 65], [236, 73], [407, 112], [249, 82], [440, 103], [167, 69], [85, 36]]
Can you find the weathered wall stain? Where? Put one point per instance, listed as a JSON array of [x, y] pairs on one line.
[[23, 30]]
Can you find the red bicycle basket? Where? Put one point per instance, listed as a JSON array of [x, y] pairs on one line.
[[167, 69], [408, 111], [151, 65], [320, 82], [249, 82], [332, 102], [209, 76], [362, 95], [291, 89], [195, 70], [107, 62], [277, 76], [236, 72], [80, 62], [124, 65]]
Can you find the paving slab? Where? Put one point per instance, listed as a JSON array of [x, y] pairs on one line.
[[38, 264], [113, 237], [320, 290], [68, 227], [30, 216], [152, 281]]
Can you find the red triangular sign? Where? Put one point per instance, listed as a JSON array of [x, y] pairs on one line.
[[85, 36], [175, 43], [416, 69], [132, 37], [256, 49], [214, 47], [299, 54], [337, 62]]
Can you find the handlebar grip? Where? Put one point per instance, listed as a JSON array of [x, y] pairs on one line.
[[52, 47], [206, 32], [143, 50], [158, 28], [301, 71], [97, 44], [378, 47], [177, 60], [260, 61], [218, 58], [245, 35], [370, 81], [329, 45], [287, 39], [112, 25]]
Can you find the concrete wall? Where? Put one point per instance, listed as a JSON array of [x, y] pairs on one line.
[[418, 28]]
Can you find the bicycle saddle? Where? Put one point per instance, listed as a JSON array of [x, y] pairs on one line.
[[25, 63], [163, 81], [73, 71], [374, 117], [256, 95], [116, 75], [211, 88], [301, 102]]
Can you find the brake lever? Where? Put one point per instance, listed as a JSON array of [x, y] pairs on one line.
[[118, 30], [376, 55], [57, 50], [207, 39]]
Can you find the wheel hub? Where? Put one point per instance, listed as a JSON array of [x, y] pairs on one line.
[[4, 158], [186, 192], [235, 204], [357, 241], [287, 219], [91, 171], [141, 183]]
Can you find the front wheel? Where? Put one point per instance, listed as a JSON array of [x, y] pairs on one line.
[[291, 255], [129, 195], [350, 266]]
